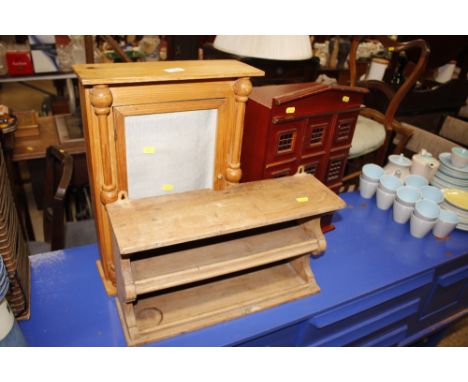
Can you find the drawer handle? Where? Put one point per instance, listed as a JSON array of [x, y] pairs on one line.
[[370, 325], [453, 277], [339, 313]]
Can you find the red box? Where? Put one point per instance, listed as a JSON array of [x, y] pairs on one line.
[[19, 63]]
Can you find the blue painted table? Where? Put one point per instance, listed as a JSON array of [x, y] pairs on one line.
[[379, 286]]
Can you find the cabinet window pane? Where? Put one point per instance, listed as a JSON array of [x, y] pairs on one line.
[[311, 168], [316, 133], [334, 169], [286, 141], [344, 129]]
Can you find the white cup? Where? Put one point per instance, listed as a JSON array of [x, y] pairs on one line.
[[390, 183], [367, 188], [384, 199], [459, 156], [432, 193], [372, 172], [445, 224], [419, 227], [401, 211], [416, 181], [427, 209]]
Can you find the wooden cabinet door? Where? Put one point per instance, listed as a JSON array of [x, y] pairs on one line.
[[317, 134], [344, 129], [315, 165]]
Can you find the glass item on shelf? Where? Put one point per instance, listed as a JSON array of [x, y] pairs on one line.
[[77, 50], [3, 64], [64, 58], [149, 47]]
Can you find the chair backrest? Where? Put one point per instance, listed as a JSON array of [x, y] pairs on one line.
[[394, 97], [59, 171]]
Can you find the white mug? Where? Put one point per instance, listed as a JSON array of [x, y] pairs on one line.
[[419, 227], [384, 199], [401, 211], [367, 188], [459, 156], [445, 224]]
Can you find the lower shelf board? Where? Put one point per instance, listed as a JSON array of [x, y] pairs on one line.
[[224, 257], [180, 311]]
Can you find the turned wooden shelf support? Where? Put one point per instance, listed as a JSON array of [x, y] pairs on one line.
[[242, 89]]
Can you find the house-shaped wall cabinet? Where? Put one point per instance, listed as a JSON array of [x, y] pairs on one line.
[[304, 124]]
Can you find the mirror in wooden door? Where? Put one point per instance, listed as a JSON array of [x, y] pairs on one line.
[[170, 152]]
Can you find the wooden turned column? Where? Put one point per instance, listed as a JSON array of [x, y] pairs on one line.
[[242, 89], [101, 100]]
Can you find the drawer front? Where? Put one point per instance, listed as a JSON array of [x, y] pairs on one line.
[[358, 319], [317, 134], [347, 335], [344, 129], [282, 337], [281, 170], [449, 292], [389, 336], [285, 141]]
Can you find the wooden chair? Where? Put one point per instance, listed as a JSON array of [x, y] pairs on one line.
[[375, 129], [59, 233], [428, 105]]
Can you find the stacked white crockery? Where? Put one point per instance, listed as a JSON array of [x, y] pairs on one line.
[[412, 198], [453, 170]]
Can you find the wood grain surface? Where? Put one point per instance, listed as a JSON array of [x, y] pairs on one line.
[[118, 73], [157, 222]]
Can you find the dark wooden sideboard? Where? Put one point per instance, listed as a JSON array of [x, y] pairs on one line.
[[306, 124]]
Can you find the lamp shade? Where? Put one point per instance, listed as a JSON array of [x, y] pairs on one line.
[[267, 47]]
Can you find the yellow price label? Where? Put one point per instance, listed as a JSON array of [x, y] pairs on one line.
[[345, 99], [302, 199], [391, 48], [290, 110], [168, 187], [149, 150]]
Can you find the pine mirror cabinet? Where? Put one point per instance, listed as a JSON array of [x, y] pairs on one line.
[[187, 245], [157, 128]]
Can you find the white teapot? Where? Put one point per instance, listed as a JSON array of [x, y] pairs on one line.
[[424, 164], [399, 166]]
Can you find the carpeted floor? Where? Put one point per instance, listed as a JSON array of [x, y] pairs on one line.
[[456, 334]]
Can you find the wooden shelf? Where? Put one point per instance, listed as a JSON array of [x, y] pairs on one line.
[[204, 260], [195, 215], [198, 306], [162, 71], [185, 261]]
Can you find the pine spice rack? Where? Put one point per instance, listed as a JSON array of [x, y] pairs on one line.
[[189, 260]]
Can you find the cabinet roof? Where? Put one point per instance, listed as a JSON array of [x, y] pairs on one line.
[[162, 71]]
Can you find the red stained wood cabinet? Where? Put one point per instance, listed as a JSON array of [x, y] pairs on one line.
[[306, 124]]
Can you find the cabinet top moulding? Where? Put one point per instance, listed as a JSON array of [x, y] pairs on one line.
[[150, 223], [281, 94], [162, 71]]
